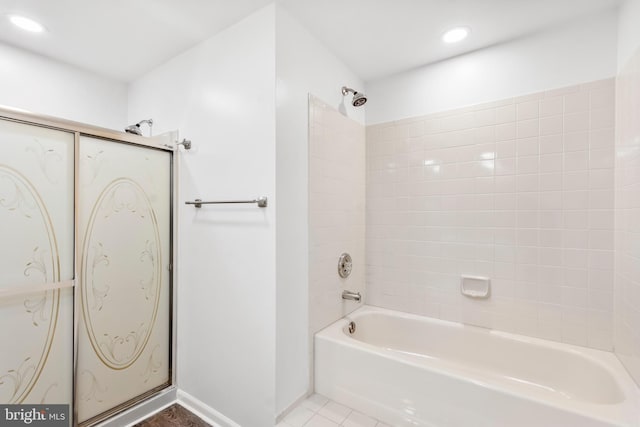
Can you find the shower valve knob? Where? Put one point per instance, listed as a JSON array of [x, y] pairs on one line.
[[345, 264]]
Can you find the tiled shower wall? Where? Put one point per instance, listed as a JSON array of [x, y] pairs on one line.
[[627, 278], [519, 190], [337, 174]]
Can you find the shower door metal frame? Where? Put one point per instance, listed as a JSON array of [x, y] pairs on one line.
[[81, 129]]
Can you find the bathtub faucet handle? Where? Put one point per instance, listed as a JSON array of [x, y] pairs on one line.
[[353, 296]]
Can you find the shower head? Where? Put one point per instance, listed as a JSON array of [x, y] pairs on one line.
[[359, 99], [135, 129]]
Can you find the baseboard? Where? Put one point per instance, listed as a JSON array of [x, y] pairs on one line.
[[291, 407], [163, 400], [143, 410], [204, 411]]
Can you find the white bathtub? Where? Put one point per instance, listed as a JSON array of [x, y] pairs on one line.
[[409, 370]]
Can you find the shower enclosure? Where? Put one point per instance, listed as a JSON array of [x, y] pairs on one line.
[[86, 295]]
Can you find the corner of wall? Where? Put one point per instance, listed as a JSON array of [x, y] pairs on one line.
[[303, 66], [627, 208], [628, 31]]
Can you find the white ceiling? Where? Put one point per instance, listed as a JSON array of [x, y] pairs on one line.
[[381, 37], [123, 39]]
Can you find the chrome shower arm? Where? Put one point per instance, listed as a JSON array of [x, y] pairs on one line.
[[347, 90]]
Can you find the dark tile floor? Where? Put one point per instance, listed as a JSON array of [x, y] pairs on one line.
[[173, 416]]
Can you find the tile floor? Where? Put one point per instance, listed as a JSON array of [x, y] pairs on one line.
[[318, 411]]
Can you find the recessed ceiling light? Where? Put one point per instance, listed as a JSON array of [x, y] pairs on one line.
[[455, 35], [26, 24]]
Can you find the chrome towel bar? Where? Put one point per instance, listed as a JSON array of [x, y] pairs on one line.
[[261, 201]]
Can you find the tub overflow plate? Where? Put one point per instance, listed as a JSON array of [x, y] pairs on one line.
[[352, 327]]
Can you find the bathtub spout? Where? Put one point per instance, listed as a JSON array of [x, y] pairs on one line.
[[354, 296]]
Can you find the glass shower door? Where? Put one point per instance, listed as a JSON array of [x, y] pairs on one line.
[[124, 309], [36, 264]]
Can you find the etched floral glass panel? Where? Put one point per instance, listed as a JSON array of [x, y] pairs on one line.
[[36, 251], [124, 267]]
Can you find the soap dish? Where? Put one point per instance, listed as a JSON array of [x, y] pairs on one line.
[[475, 286]]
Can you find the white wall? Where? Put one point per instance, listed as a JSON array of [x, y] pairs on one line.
[[40, 85], [580, 52], [220, 94], [628, 31], [303, 66]]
